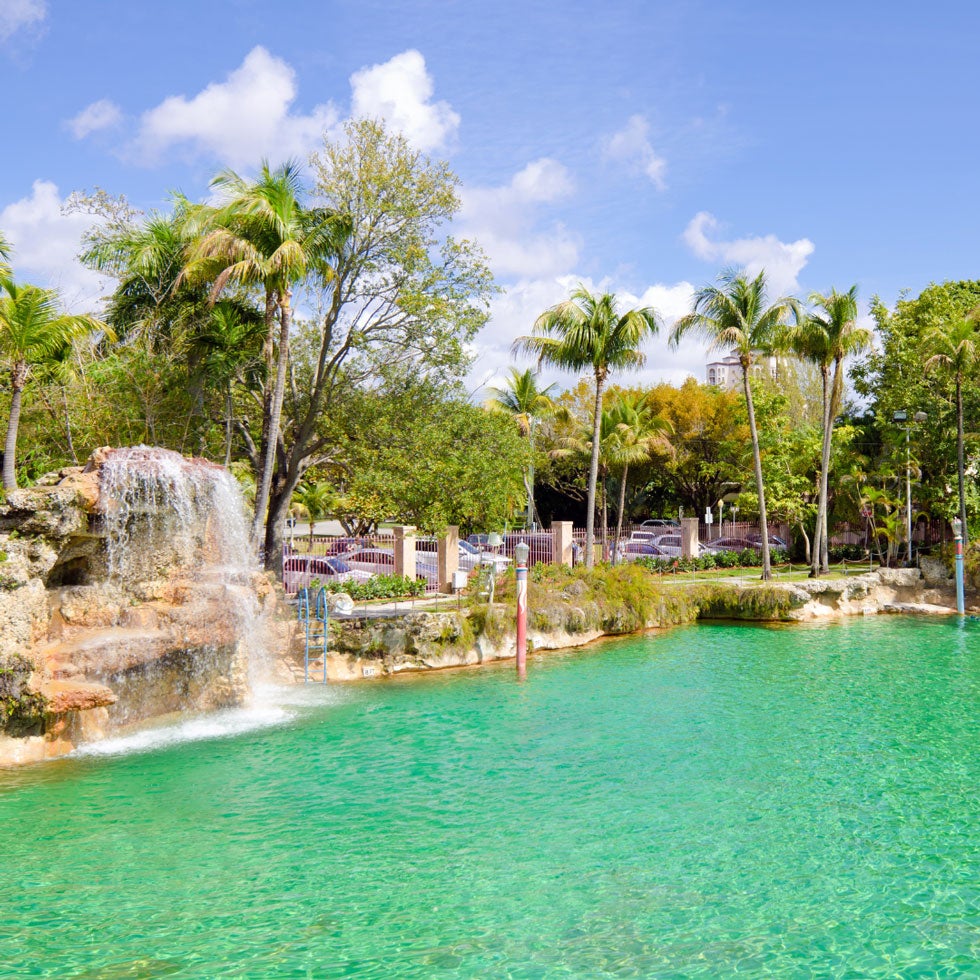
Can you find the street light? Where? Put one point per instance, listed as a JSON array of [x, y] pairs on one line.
[[522, 552], [902, 418], [958, 536]]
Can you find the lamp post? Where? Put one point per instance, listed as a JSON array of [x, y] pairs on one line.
[[958, 536], [902, 418], [521, 553]]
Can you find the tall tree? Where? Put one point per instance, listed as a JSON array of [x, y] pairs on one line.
[[827, 336], [528, 404], [5, 251], [956, 348], [588, 331], [33, 331], [224, 354], [404, 302], [890, 377], [641, 433], [263, 235], [734, 314]]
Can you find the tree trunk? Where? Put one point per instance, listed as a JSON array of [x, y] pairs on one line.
[[18, 378], [960, 468], [622, 507], [289, 473], [806, 541], [757, 460], [820, 549], [605, 518], [263, 473], [68, 432], [600, 378], [229, 421], [275, 414]]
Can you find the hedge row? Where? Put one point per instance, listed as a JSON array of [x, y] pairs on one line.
[[747, 558], [376, 587]]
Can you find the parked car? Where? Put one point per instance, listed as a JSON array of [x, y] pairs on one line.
[[647, 536], [340, 546], [376, 561], [665, 522], [740, 544], [774, 541], [298, 571], [631, 550], [381, 561], [469, 554], [670, 544]]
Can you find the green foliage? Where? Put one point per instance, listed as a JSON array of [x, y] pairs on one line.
[[746, 558], [378, 587], [709, 435], [757, 602], [893, 378], [426, 459]]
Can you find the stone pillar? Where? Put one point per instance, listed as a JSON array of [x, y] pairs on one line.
[[405, 551], [561, 542], [689, 537], [448, 558]]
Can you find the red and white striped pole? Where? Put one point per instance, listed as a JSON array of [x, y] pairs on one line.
[[521, 553]]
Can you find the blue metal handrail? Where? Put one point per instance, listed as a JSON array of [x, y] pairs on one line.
[[313, 613]]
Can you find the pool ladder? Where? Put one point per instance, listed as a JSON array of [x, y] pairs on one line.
[[314, 617]]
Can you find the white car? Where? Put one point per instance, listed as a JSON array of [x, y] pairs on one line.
[[470, 556], [670, 544]]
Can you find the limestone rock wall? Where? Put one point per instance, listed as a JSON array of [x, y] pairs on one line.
[[82, 655]]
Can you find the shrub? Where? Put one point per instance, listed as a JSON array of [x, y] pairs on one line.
[[379, 587]]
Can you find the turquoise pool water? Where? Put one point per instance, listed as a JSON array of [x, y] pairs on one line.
[[718, 800]]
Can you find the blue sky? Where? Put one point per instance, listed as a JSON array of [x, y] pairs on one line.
[[638, 147]]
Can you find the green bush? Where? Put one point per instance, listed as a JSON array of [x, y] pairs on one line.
[[377, 587], [847, 552]]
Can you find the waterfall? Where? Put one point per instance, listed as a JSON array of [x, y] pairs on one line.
[[176, 528], [163, 511]]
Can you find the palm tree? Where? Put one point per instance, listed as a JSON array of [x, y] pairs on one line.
[[587, 331], [33, 332], [5, 251], [640, 434], [225, 351], [956, 348], [733, 314], [615, 450], [315, 500], [528, 404], [263, 236], [153, 300], [827, 337]]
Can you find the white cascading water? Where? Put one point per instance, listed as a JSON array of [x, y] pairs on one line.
[[185, 512], [166, 515]]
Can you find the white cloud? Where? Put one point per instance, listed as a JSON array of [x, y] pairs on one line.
[[99, 115], [251, 113], [782, 261], [514, 311], [399, 91], [16, 14], [631, 145], [239, 120], [45, 245], [502, 220]]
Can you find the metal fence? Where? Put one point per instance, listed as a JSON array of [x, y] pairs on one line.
[[325, 558]]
